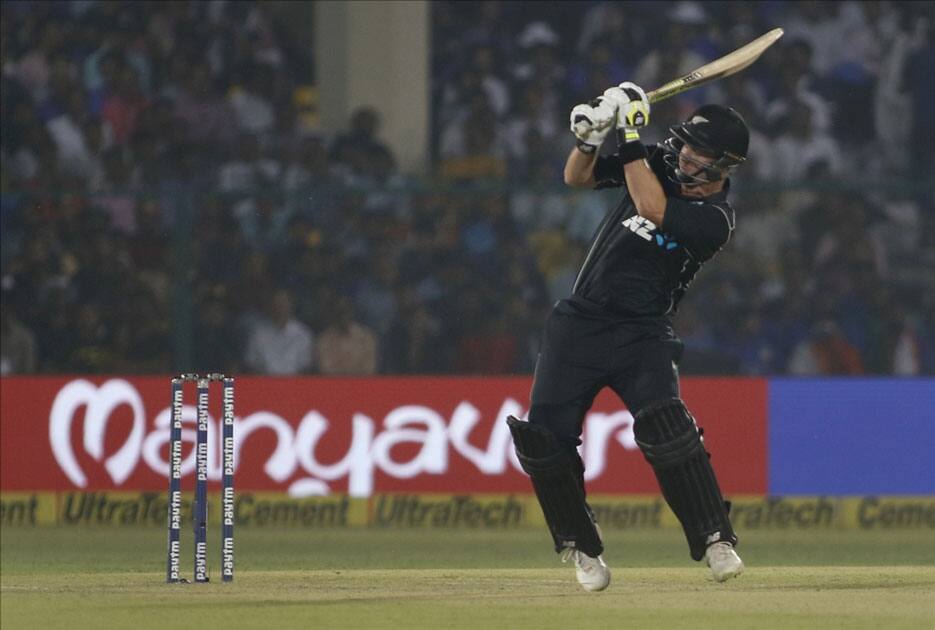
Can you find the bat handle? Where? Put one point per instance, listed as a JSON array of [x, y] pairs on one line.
[[665, 91]]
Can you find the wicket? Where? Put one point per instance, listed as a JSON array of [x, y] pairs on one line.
[[200, 507]]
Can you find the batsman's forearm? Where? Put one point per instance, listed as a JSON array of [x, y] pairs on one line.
[[579, 169], [645, 190]]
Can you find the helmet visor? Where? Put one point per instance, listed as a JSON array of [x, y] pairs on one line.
[[686, 169]]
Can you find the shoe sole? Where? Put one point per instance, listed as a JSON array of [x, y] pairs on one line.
[[730, 574], [594, 588]]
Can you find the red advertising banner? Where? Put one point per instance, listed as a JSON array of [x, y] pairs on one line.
[[314, 436]]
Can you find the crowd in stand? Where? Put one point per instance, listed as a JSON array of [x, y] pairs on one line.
[[166, 204]]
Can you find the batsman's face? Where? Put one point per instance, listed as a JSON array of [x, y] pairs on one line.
[[692, 162]]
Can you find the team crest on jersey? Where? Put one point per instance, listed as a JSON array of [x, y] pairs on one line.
[[646, 229]]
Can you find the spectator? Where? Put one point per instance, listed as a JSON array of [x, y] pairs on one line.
[[848, 242], [308, 166], [540, 207], [247, 169], [826, 352], [540, 62], [18, 344], [799, 149], [123, 103], [34, 161], [361, 139], [488, 344], [374, 297], [93, 349], [673, 58], [152, 107], [491, 27], [472, 147], [919, 69], [346, 347], [798, 84], [601, 66], [532, 136], [199, 104], [280, 344], [609, 21], [67, 129], [907, 354], [31, 70], [823, 25], [413, 343], [481, 73], [254, 111], [264, 221], [217, 344], [114, 186]]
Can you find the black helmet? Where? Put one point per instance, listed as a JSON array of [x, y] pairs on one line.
[[713, 130]]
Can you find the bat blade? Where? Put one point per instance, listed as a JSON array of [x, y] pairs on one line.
[[719, 68]]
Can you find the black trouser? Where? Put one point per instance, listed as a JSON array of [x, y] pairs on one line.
[[582, 353], [637, 358]]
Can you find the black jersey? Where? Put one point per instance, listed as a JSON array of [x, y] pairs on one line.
[[635, 268]]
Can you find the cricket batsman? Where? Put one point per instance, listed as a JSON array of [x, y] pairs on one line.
[[616, 330]]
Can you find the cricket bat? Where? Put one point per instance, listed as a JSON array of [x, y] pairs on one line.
[[727, 65]]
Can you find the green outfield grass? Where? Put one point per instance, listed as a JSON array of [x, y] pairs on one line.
[[288, 578]]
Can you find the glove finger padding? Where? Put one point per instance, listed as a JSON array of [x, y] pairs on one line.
[[581, 113], [591, 123], [634, 92], [636, 112], [604, 116], [616, 97]]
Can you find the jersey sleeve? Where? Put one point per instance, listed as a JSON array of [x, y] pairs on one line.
[[608, 170], [702, 228]]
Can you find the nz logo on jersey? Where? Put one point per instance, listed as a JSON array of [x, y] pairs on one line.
[[644, 228]]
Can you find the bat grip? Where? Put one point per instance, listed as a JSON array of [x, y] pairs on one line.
[[663, 92]]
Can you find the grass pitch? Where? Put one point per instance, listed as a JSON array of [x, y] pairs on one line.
[[398, 578]]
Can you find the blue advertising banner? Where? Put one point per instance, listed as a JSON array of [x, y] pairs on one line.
[[851, 436]]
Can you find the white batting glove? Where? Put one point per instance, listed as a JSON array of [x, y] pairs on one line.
[[632, 107], [591, 123]]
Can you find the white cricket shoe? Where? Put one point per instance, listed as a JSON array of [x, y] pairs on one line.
[[724, 561], [592, 573]]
